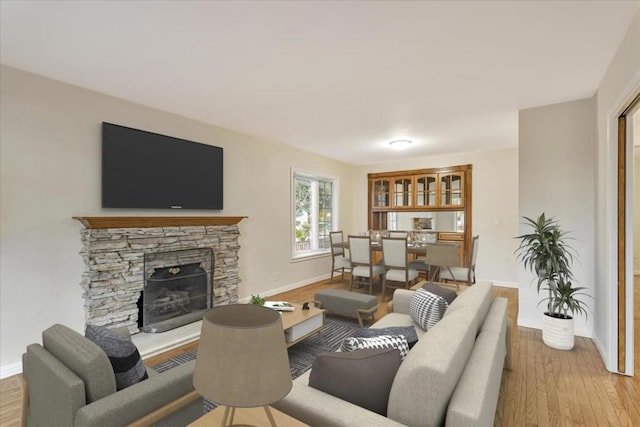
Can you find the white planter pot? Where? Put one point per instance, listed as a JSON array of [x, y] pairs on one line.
[[557, 333]]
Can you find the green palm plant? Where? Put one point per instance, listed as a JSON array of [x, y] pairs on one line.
[[565, 300], [546, 253]]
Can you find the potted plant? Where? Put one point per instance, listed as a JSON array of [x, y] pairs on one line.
[[256, 299], [546, 253]]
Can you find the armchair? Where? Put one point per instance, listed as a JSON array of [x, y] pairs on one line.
[[71, 383]]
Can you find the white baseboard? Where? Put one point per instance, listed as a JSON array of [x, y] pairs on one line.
[[500, 283], [288, 287], [10, 370], [603, 354]]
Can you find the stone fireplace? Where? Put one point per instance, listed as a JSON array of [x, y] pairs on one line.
[[124, 256]]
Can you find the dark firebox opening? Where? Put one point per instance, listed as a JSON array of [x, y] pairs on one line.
[[177, 290]]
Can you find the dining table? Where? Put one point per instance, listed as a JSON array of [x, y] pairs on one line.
[[418, 249]]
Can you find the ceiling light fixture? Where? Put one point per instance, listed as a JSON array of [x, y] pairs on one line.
[[400, 144]]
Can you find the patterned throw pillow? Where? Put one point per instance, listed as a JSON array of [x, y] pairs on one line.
[[384, 341], [122, 353], [448, 294], [409, 333], [426, 309]]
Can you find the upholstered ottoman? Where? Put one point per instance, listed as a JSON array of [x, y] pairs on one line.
[[347, 303]]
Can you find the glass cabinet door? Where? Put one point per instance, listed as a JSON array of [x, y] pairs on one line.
[[402, 192], [426, 190], [451, 186], [381, 193]]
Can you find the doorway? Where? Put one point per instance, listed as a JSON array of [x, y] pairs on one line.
[[628, 247]]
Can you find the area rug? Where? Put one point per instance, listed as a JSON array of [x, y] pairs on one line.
[[301, 355]]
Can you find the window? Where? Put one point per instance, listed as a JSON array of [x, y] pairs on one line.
[[315, 202]]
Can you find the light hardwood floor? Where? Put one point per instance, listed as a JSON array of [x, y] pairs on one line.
[[545, 388]]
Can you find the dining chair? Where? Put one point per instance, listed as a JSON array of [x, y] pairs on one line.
[[338, 259], [398, 270], [362, 264], [421, 266], [463, 274], [441, 257]]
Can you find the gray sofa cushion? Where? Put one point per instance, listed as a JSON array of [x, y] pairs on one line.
[[316, 408], [132, 403], [398, 319], [83, 358], [362, 377], [122, 353]]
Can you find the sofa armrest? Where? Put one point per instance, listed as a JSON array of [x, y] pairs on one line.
[[401, 299], [135, 402], [55, 392], [317, 408], [475, 398]]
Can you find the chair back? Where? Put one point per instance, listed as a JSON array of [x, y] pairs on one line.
[[398, 234], [471, 273], [360, 250], [394, 252], [474, 252], [336, 238], [442, 255]]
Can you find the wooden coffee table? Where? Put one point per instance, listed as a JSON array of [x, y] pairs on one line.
[[247, 416], [300, 324]]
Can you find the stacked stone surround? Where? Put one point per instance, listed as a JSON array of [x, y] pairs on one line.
[[114, 266]]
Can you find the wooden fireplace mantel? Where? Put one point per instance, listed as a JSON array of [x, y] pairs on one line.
[[155, 221]]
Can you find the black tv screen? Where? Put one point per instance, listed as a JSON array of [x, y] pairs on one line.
[[146, 170]]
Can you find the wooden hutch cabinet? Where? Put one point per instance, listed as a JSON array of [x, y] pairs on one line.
[[451, 189], [402, 192], [380, 192], [424, 190]]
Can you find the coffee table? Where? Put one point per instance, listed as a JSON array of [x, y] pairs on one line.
[[300, 324]]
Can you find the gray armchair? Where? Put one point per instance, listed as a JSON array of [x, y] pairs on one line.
[[71, 383]]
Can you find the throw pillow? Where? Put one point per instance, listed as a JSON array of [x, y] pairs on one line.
[[448, 294], [122, 353], [384, 341], [426, 309], [409, 333], [362, 377]]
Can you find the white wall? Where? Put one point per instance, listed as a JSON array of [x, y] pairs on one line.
[[557, 175], [495, 205], [50, 171], [620, 83]]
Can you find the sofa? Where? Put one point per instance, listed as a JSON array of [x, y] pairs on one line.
[[450, 377], [71, 382]]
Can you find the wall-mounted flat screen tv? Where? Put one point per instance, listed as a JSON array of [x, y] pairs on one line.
[[150, 171]]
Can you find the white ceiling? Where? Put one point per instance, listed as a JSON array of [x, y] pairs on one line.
[[336, 78]]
